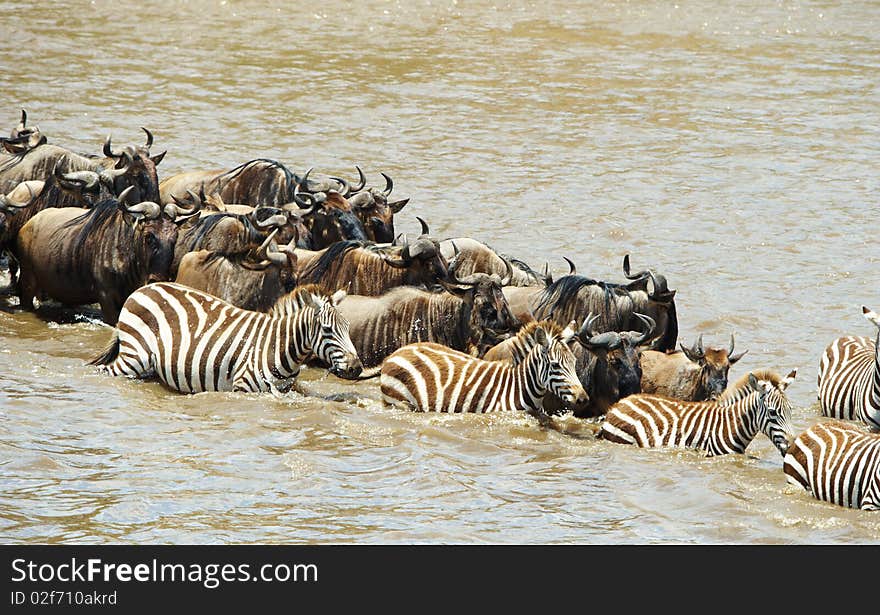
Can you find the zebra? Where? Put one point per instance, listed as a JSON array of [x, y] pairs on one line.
[[837, 462], [849, 377], [714, 427], [193, 342], [430, 377]]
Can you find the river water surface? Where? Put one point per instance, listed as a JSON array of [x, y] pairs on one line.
[[732, 146]]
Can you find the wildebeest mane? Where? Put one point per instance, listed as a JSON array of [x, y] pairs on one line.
[[206, 224], [93, 220], [561, 297], [334, 254]]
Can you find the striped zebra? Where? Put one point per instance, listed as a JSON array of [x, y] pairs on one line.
[[192, 341], [837, 462], [716, 427], [429, 377], [849, 377]]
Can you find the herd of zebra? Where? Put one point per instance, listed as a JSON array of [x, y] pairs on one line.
[[447, 326]]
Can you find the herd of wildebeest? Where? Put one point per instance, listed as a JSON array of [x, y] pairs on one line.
[[232, 279]]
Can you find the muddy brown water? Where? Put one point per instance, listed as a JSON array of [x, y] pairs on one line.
[[732, 146]]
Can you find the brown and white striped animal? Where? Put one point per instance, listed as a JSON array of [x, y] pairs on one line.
[[837, 462], [691, 374], [849, 377], [429, 377], [194, 342], [718, 429]]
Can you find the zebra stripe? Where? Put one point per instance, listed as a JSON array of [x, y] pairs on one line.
[[429, 377], [837, 462], [717, 428], [192, 341], [849, 377]]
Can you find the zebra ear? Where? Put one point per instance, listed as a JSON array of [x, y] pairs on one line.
[[753, 382], [338, 296], [541, 337], [788, 379]]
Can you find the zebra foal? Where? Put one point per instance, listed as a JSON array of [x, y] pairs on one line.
[[837, 462], [849, 377], [192, 341], [717, 427], [429, 377]]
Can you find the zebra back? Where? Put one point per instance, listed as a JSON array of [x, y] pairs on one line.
[[837, 462], [717, 428], [849, 377], [193, 341], [429, 377]]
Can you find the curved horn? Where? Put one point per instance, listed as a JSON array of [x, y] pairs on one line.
[[508, 275], [108, 151], [362, 180], [275, 220], [149, 138], [650, 323], [586, 330], [425, 229], [346, 187], [309, 202], [572, 270], [632, 276], [261, 266], [124, 196], [389, 185], [87, 179], [23, 122], [149, 209], [732, 342]]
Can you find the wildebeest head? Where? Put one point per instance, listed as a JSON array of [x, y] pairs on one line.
[[651, 295], [490, 315], [270, 254], [617, 356], [422, 257], [374, 209], [22, 139], [714, 363], [139, 166], [330, 217], [155, 233]]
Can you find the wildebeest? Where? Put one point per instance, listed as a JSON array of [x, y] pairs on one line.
[[571, 297], [467, 256], [367, 269], [132, 166], [606, 363], [226, 234], [691, 374], [470, 316], [83, 256], [374, 209], [247, 281], [22, 138]]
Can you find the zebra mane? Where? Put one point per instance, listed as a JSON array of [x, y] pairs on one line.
[[299, 298], [741, 388], [527, 330]]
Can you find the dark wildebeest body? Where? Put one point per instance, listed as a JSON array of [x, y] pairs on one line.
[[78, 256], [469, 320]]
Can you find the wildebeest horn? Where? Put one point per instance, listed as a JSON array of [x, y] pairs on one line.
[[346, 187], [108, 151], [632, 276], [650, 323], [389, 185], [149, 209], [362, 180], [572, 270], [6, 202], [87, 179], [425, 229], [361, 200], [309, 202], [586, 330], [178, 209], [23, 122], [275, 220], [508, 272], [149, 137], [267, 241]]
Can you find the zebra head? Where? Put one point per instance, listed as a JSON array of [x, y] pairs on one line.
[[559, 373], [330, 341], [774, 410]]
